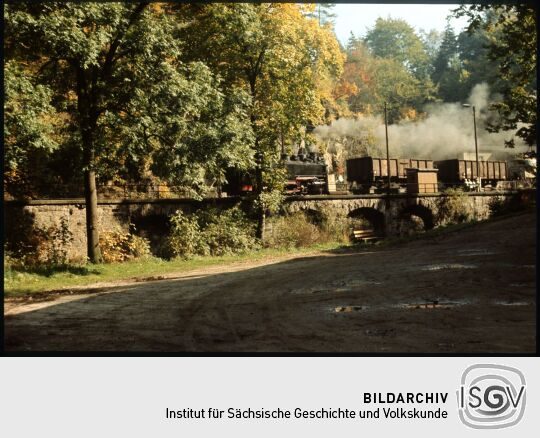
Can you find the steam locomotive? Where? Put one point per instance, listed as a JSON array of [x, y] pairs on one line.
[[306, 175]]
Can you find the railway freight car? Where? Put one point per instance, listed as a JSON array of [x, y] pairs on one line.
[[366, 172], [455, 172]]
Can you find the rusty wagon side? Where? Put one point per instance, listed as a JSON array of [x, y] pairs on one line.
[[367, 171], [455, 171]]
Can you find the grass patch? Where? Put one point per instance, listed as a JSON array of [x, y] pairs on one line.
[[18, 282]]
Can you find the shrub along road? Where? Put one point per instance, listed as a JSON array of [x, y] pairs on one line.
[[470, 291]]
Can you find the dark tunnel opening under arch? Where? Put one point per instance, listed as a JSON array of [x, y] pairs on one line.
[[371, 215], [411, 212]]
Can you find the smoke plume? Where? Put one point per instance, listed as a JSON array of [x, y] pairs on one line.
[[446, 132]]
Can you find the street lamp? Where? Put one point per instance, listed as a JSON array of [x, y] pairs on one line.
[[387, 150], [479, 179]]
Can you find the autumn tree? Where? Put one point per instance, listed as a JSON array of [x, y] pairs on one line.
[[285, 61], [389, 65], [379, 80], [29, 132], [114, 71]]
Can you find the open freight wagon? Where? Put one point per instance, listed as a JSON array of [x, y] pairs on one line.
[[454, 172], [365, 173]]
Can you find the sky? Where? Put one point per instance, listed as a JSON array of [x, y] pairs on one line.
[[358, 17]]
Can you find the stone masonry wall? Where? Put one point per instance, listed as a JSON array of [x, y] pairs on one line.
[[21, 219], [151, 217]]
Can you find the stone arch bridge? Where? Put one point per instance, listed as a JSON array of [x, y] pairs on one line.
[[386, 213]]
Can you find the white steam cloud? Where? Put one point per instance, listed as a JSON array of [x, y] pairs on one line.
[[446, 132]]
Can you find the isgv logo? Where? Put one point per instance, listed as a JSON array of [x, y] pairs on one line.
[[491, 396]]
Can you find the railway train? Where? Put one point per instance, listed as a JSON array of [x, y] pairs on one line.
[[307, 174]]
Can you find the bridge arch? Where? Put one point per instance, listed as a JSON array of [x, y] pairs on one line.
[[416, 217], [374, 217]]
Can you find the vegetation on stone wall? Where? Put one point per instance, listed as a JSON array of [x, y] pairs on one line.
[[42, 247], [299, 230], [454, 207], [518, 202]]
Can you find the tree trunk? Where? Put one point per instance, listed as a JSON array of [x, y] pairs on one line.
[[260, 224], [90, 193], [86, 105], [261, 213], [261, 209], [92, 231]]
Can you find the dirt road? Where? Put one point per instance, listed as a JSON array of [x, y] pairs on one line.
[[467, 291]]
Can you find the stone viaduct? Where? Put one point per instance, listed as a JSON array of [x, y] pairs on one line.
[[386, 213]]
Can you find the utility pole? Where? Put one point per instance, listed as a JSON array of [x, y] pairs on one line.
[[476, 150], [478, 178], [387, 150]]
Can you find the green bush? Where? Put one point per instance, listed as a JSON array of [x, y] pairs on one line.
[[227, 232], [338, 229], [185, 238], [221, 232], [454, 207], [291, 231], [139, 246], [211, 232]]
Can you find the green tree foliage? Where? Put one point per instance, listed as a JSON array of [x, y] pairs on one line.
[[432, 41], [397, 40], [281, 57], [115, 72], [28, 124], [511, 34], [462, 61], [447, 71], [477, 67]]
